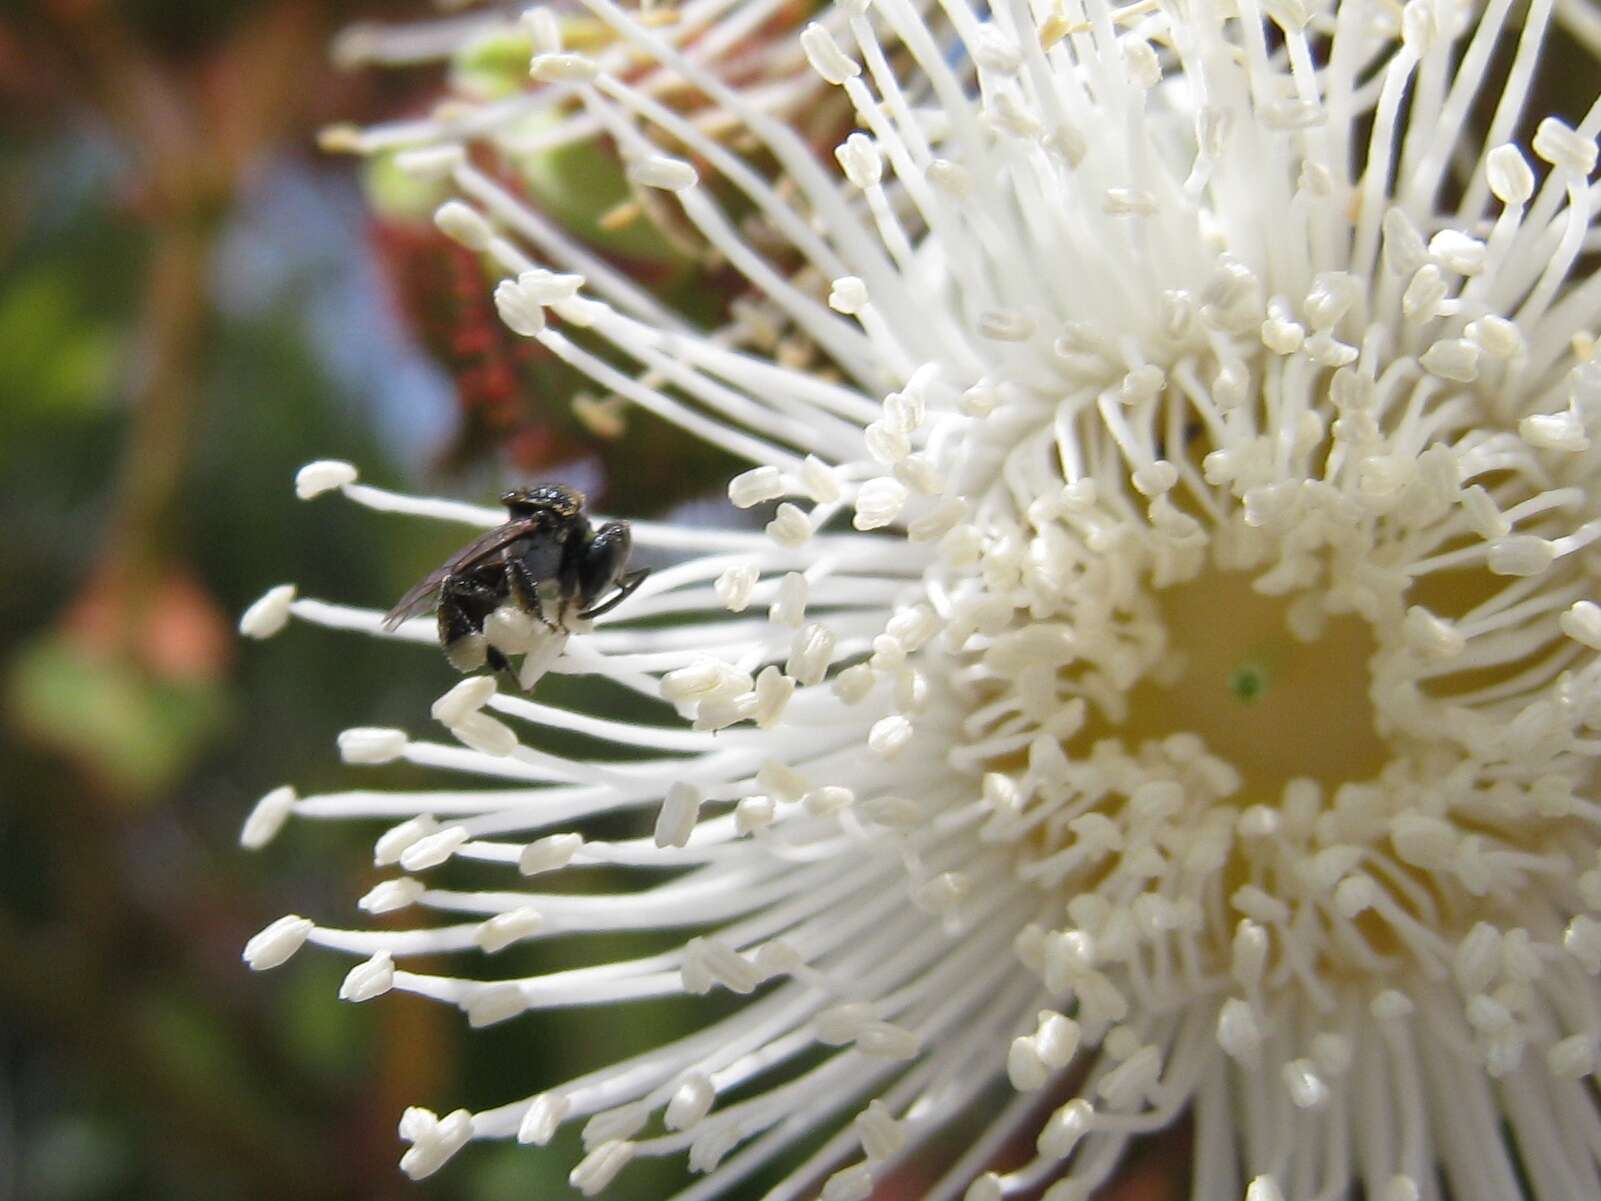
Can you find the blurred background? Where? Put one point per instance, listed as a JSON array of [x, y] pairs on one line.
[[195, 300]]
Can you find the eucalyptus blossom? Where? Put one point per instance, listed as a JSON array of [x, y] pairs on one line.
[[1160, 675]]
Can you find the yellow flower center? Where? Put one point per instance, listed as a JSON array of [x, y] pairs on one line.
[[1271, 705]]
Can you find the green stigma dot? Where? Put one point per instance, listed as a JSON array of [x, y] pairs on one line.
[[1248, 682]]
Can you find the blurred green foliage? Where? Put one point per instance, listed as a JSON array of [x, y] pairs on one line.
[[62, 356], [151, 423], [137, 732], [140, 1058]]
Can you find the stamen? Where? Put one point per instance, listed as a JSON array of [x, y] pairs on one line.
[[1191, 520]]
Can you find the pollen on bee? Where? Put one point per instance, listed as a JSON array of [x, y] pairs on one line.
[[468, 653]]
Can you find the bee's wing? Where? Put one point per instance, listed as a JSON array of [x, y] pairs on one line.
[[475, 552]]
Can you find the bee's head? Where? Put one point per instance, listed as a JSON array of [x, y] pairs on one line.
[[555, 499]]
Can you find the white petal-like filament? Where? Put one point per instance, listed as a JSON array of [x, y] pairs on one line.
[[1160, 667]]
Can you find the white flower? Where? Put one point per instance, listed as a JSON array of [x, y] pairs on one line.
[[513, 99], [1168, 680]]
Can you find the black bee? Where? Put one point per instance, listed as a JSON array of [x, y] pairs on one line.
[[546, 559]]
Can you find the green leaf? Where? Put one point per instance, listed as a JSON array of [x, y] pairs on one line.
[[331, 1042], [493, 66], [55, 361], [579, 183], [401, 195], [136, 732]]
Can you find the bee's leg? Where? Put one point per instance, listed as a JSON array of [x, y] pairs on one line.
[[599, 563], [501, 666], [525, 591], [625, 588], [464, 603]]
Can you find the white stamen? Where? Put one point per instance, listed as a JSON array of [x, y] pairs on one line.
[[848, 1184], [368, 979], [543, 28], [433, 849], [679, 811], [754, 813], [1582, 623], [691, 1102], [818, 481], [392, 843], [790, 527], [549, 853], [542, 1118], [269, 614], [563, 68], [1562, 146], [600, 1167], [664, 172], [323, 476], [268, 817], [878, 503], [1521, 555], [754, 486], [860, 160], [465, 224], [494, 1003], [504, 929], [848, 294], [387, 896], [366, 744], [789, 609], [825, 56], [882, 1136], [433, 1140], [467, 697], [889, 736], [810, 653], [1062, 1132], [277, 943], [734, 587]]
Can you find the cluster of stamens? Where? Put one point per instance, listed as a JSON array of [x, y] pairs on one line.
[[1162, 669]]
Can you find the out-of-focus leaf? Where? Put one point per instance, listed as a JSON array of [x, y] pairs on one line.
[[494, 65], [509, 1171], [331, 1042], [129, 728], [196, 1048], [57, 364], [397, 195], [580, 183]]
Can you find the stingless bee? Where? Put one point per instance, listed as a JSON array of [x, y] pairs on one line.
[[546, 562]]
